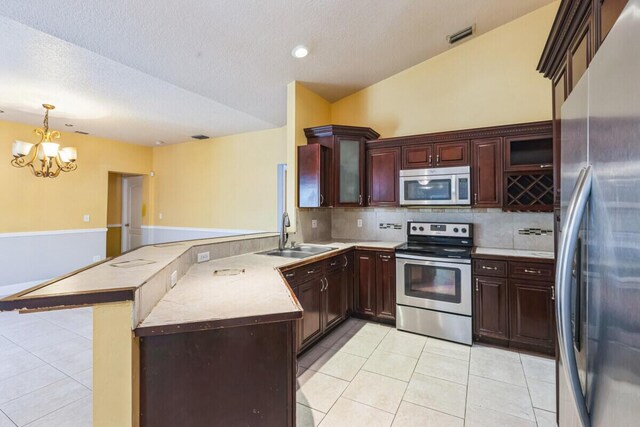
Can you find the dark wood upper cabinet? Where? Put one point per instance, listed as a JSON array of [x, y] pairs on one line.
[[560, 91], [385, 285], [417, 157], [365, 283], [491, 307], [346, 145], [609, 10], [383, 177], [450, 154], [528, 153], [440, 154], [486, 170], [314, 176], [580, 50]]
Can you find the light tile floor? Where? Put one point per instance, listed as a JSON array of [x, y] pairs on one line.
[[362, 374], [370, 375], [46, 368]]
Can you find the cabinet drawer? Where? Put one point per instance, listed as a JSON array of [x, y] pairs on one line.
[[335, 263], [290, 276], [533, 271], [485, 267], [309, 272]]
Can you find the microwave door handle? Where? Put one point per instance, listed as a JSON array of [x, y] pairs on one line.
[[566, 254]]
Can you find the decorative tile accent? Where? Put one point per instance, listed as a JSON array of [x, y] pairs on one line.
[[535, 232], [389, 226]]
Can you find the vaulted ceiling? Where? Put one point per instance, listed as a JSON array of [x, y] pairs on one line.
[[142, 71]]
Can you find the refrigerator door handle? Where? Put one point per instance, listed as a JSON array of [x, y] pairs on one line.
[[575, 212]]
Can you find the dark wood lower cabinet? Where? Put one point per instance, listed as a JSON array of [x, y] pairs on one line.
[[310, 296], [375, 282], [532, 314], [236, 376], [511, 309], [334, 295], [490, 317]]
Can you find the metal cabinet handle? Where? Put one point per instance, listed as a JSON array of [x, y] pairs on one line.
[[553, 293], [325, 285], [385, 256], [546, 166], [311, 271], [289, 275], [346, 261], [475, 198], [360, 199], [369, 199], [484, 267], [526, 270], [477, 285], [438, 159], [429, 158], [321, 199], [575, 212], [333, 263]]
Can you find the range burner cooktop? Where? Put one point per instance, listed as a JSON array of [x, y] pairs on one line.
[[439, 240]]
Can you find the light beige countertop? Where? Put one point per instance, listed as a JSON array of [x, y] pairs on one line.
[[201, 299], [518, 253], [373, 244], [106, 278]]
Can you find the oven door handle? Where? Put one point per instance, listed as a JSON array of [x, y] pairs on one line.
[[417, 259]]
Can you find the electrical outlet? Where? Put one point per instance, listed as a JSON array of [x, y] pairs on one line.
[[359, 223], [174, 278], [203, 256], [96, 258], [86, 218], [314, 223]]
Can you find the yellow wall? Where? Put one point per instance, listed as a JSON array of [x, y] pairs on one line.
[[38, 204], [114, 199], [489, 80], [227, 182], [304, 109]]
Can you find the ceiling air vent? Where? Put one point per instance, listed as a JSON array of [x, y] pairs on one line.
[[200, 137], [82, 132], [460, 35]]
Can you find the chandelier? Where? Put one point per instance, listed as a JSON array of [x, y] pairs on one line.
[[46, 159]]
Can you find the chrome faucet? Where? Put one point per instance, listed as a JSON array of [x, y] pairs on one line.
[[284, 236]]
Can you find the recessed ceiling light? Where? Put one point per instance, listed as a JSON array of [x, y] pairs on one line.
[[300, 51], [200, 137], [82, 132], [69, 125], [159, 142], [1, 111]]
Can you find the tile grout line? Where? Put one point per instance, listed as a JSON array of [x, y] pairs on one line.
[[56, 410], [466, 396], [408, 382], [7, 416]]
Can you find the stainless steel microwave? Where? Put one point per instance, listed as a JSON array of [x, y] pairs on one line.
[[435, 186]]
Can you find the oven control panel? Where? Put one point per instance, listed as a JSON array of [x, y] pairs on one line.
[[439, 229]]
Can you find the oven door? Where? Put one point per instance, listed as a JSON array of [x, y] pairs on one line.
[[428, 190], [434, 284]]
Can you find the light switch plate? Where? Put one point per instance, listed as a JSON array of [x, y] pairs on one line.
[[86, 218], [359, 222], [314, 223], [174, 278], [160, 215], [203, 256], [96, 258]]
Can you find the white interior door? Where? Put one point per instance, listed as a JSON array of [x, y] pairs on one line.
[[132, 213]]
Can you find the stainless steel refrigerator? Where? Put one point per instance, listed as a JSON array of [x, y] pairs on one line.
[[598, 271]]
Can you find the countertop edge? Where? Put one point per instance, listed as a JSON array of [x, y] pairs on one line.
[[475, 255], [77, 299]]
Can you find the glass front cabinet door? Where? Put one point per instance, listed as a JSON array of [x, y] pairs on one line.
[[350, 171]]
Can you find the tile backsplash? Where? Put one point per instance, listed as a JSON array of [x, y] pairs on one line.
[[492, 227]]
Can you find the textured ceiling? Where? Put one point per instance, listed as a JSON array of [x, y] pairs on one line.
[[146, 70]]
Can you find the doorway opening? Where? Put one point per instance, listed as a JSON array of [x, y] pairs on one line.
[[125, 212]]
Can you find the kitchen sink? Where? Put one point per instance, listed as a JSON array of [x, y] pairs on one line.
[[299, 252]]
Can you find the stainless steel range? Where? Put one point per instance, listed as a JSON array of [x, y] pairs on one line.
[[433, 281]]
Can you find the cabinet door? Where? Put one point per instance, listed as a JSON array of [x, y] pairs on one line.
[[532, 313], [528, 153], [486, 168], [365, 283], [580, 51], [491, 304], [383, 177], [609, 13], [417, 156], [350, 171], [314, 176], [452, 153], [335, 298], [348, 278], [310, 296], [385, 285]]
